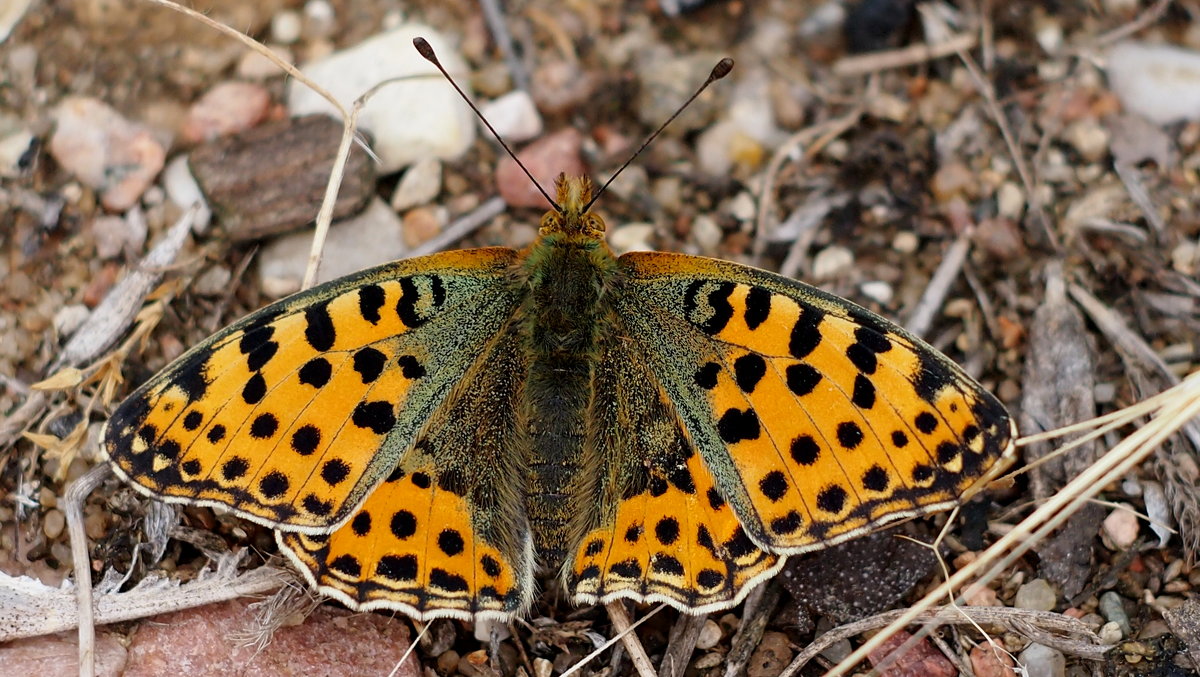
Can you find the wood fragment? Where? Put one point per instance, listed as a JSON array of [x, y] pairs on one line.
[[681, 645], [757, 611]]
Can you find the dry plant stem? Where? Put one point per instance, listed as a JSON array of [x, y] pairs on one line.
[[759, 606], [681, 645], [902, 58], [81, 562], [818, 136], [1145, 20], [637, 653], [325, 214], [493, 15], [619, 638], [934, 297], [1176, 410], [1047, 623]]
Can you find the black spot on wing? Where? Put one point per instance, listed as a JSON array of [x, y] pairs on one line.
[[748, 370], [737, 425], [318, 329], [370, 300], [806, 333], [706, 305], [758, 307], [369, 363]]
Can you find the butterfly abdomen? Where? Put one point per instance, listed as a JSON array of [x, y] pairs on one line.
[[566, 277]]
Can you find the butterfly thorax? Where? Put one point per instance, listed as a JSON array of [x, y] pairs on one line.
[[567, 274]]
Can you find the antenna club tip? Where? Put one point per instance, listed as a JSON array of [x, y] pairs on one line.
[[424, 48], [722, 68]]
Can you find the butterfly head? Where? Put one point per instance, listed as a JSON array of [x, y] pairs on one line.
[[571, 217]]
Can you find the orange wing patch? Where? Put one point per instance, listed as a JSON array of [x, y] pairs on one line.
[[412, 547], [290, 416], [676, 541], [827, 421]]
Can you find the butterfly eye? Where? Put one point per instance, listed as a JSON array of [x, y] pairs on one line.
[[551, 222], [593, 224]]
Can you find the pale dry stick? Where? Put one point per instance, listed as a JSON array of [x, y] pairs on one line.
[[1144, 20], [681, 645], [972, 615], [412, 646], [1181, 407], [493, 16], [932, 300], [619, 638], [820, 136], [637, 653], [903, 57], [73, 501]]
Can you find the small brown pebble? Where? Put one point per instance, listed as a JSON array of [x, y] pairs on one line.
[[447, 663], [773, 654], [421, 225], [988, 660], [53, 523], [227, 108], [545, 159]]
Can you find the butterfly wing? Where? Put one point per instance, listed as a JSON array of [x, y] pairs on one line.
[[445, 535], [818, 420], [652, 526], [292, 415]]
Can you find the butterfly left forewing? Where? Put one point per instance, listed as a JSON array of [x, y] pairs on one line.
[[818, 419], [290, 416]]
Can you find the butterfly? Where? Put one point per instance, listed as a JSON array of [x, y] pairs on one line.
[[425, 435]]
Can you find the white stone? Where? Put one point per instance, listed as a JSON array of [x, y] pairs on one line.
[[1010, 200], [710, 635], [514, 116], [1121, 526], [878, 291], [184, 192], [1042, 661], [830, 262], [632, 237], [286, 27], [14, 152], [1160, 83], [282, 262], [707, 233], [411, 119], [906, 242], [743, 207], [419, 185], [11, 12]]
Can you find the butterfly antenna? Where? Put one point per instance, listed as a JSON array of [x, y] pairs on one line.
[[719, 71], [426, 50]]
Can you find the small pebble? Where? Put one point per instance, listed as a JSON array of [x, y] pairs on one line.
[[1113, 609], [227, 108], [632, 237], [560, 86], [545, 158], [514, 116], [1110, 633], [1159, 82], [420, 184], [706, 233], [743, 207], [17, 151], [286, 27], [116, 235], [422, 224], [831, 262], [992, 661], [710, 635], [1042, 661], [1158, 509], [447, 662], [320, 19], [213, 282], [773, 654], [53, 523], [1088, 138], [878, 291], [1121, 526], [1010, 200], [105, 151], [1036, 594], [906, 242], [184, 192], [954, 179], [542, 667]]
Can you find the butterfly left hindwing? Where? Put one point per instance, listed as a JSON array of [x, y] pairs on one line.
[[445, 535], [292, 415]]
